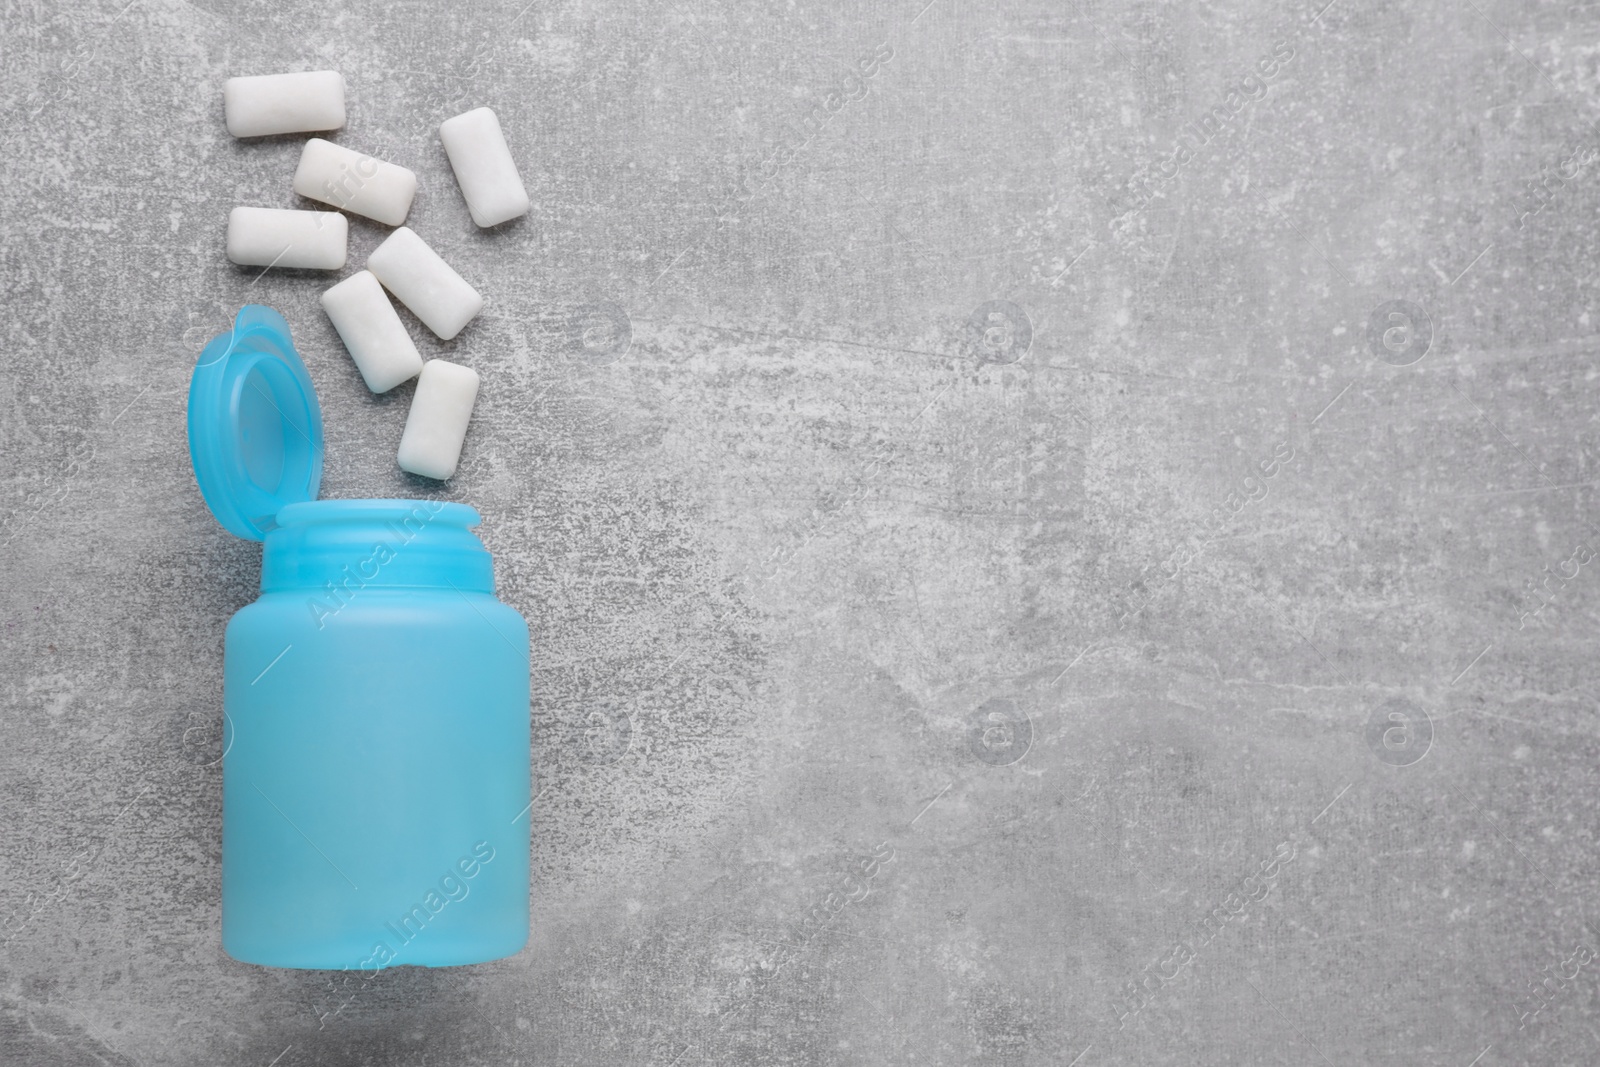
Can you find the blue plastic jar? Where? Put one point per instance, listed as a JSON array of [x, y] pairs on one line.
[[376, 779]]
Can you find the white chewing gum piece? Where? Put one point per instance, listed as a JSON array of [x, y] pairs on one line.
[[484, 168], [437, 423], [284, 103], [424, 282], [372, 332], [354, 182], [275, 237]]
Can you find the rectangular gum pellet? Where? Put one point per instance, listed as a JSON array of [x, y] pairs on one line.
[[274, 237], [372, 333], [354, 182], [484, 168], [284, 103], [424, 282], [437, 423]]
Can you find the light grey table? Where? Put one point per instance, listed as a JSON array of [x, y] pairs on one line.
[[1131, 464]]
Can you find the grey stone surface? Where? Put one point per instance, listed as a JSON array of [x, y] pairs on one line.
[[1188, 576]]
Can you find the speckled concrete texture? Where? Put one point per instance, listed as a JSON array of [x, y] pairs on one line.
[[1055, 533]]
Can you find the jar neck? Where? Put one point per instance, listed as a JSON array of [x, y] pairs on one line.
[[362, 544]]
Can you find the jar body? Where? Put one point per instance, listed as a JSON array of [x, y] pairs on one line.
[[376, 776]]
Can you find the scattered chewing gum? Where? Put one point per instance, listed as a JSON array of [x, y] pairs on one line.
[[372, 332], [284, 103], [276, 237], [354, 182], [484, 168], [424, 282], [437, 423]]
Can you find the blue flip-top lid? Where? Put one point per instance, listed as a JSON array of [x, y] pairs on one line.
[[255, 430]]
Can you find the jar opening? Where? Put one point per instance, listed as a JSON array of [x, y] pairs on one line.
[[344, 544], [397, 511]]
